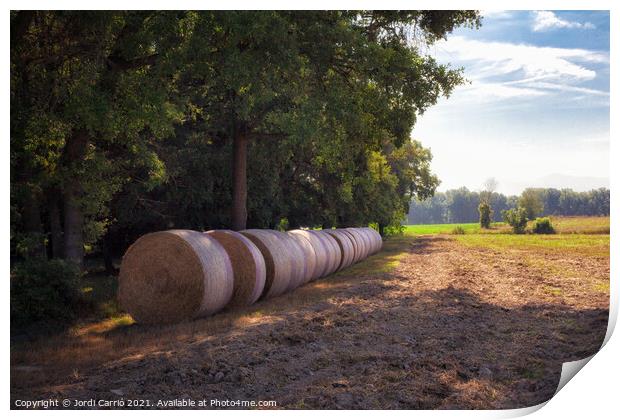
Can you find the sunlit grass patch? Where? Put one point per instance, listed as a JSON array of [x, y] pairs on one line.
[[591, 245], [581, 224], [602, 287], [393, 251], [561, 224], [445, 228], [104, 326]]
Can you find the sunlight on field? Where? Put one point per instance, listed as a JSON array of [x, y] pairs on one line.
[[447, 228], [581, 224], [393, 251], [591, 245], [562, 224]]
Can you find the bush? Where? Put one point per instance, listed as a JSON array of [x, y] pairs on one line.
[[543, 225], [44, 291], [485, 214], [458, 230], [517, 218], [394, 229]]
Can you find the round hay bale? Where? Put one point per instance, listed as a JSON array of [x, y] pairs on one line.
[[361, 239], [333, 251], [357, 250], [170, 276], [330, 256], [377, 240], [346, 247], [318, 250], [309, 256], [367, 240], [277, 260], [296, 258], [248, 265]]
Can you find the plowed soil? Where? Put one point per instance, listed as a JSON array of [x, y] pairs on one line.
[[429, 323]]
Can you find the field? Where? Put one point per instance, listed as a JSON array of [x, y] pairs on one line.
[[583, 225], [477, 321]]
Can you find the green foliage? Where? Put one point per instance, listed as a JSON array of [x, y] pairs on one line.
[[517, 218], [44, 291], [283, 225], [394, 229], [531, 201], [543, 225], [485, 214], [458, 230], [134, 113], [25, 245]]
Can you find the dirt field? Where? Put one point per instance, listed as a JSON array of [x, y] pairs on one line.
[[431, 322]]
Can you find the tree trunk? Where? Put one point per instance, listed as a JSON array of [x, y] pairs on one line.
[[55, 228], [74, 223], [108, 258], [32, 223], [240, 181], [381, 229], [75, 151]]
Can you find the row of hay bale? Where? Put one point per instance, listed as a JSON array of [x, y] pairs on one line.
[[174, 275]]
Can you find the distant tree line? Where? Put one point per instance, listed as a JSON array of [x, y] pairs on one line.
[[461, 205]]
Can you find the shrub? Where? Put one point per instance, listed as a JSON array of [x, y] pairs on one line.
[[485, 214], [531, 201], [458, 230], [394, 229], [282, 225], [44, 291], [543, 225], [517, 218]]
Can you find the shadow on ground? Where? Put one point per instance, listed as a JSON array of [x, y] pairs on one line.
[[365, 338]]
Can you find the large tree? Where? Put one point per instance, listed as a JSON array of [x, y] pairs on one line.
[[85, 86], [122, 122], [260, 75]]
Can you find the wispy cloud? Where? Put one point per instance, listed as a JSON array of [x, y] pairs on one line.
[[545, 20], [497, 14], [501, 70]]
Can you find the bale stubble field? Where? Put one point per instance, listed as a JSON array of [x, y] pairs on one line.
[[429, 322]]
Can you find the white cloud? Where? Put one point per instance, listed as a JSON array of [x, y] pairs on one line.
[[496, 14], [501, 70], [545, 20], [500, 58]]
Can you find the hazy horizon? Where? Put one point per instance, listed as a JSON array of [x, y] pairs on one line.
[[558, 181], [536, 113]]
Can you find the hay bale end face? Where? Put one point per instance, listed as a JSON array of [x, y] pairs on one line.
[[248, 266], [174, 275], [278, 265]]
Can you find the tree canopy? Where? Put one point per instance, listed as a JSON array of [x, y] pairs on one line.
[[126, 122]]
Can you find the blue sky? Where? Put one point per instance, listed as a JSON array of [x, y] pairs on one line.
[[536, 112]]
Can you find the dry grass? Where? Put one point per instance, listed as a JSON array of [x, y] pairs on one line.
[[95, 343], [426, 323]]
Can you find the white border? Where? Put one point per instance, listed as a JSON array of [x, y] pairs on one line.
[[593, 394]]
